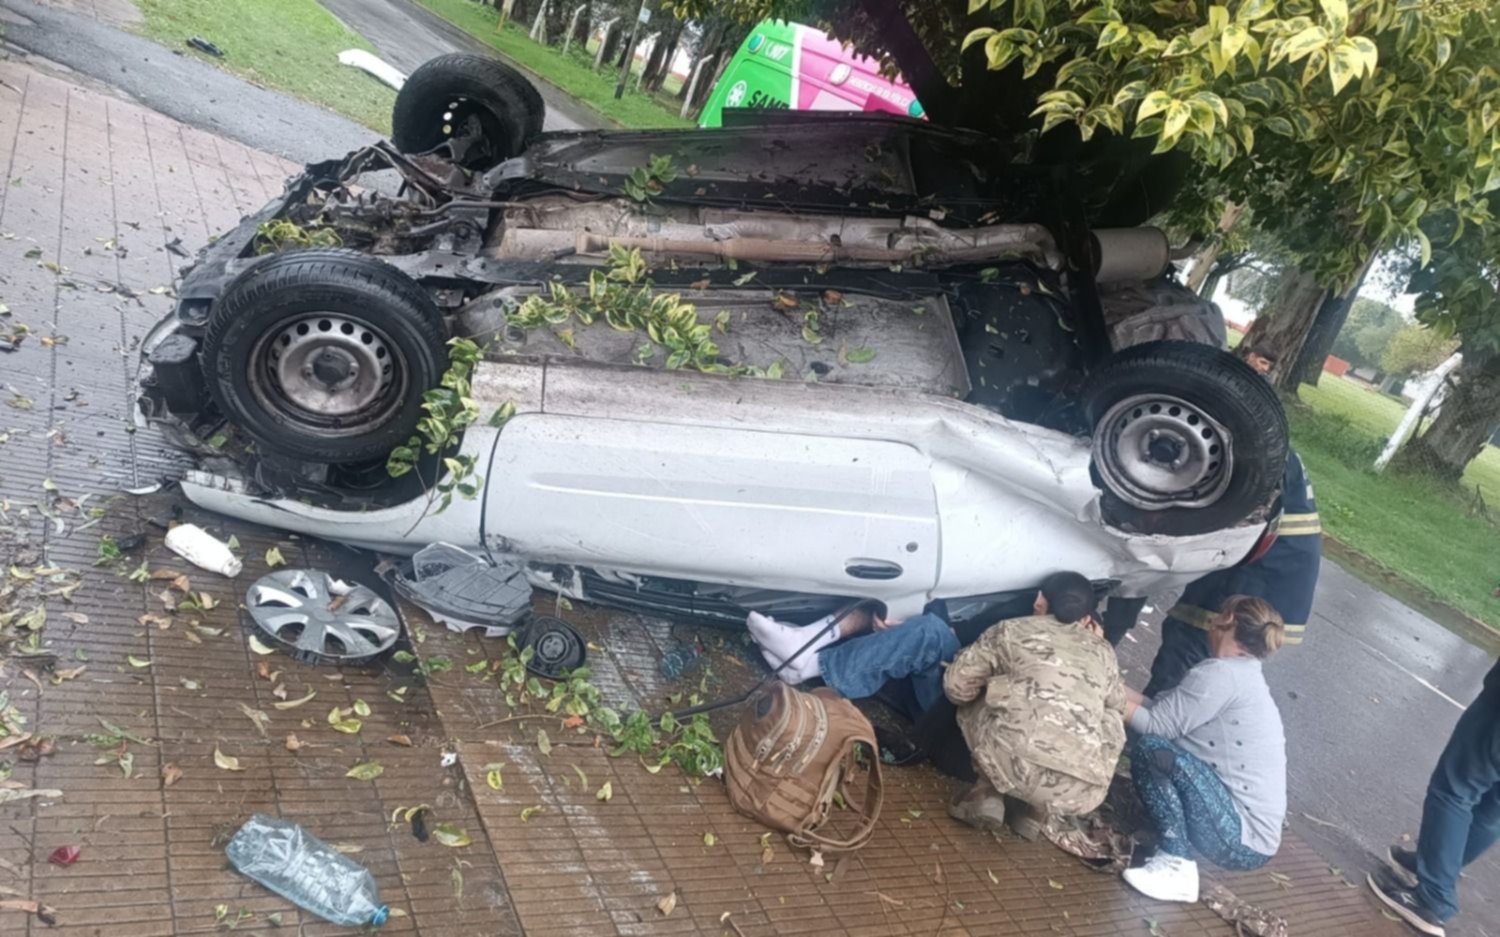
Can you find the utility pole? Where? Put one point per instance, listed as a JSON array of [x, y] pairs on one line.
[[641, 16]]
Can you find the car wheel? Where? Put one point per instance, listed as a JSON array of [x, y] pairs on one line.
[[484, 109], [324, 355], [1188, 439]]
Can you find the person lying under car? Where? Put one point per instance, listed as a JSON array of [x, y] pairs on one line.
[[1039, 698]]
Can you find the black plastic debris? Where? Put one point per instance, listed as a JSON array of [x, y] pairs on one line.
[[203, 45], [465, 591], [556, 647]]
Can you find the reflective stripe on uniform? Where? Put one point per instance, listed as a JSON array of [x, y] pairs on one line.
[[1192, 615], [1298, 525], [1203, 618]]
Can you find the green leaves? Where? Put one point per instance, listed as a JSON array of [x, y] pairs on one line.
[[451, 835], [365, 771]]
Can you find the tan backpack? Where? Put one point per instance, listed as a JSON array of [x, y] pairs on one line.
[[791, 753]]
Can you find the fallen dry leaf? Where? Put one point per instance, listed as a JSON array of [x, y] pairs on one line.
[[170, 774], [366, 771], [403, 740], [227, 762], [451, 835], [668, 904], [294, 703], [292, 744]]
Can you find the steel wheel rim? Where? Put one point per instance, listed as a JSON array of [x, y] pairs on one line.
[[330, 371], [292, 606], [1157, 451], [469, 128]]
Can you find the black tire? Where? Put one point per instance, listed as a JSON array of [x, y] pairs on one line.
[[507, 106], [299, 307], [1222, 427]]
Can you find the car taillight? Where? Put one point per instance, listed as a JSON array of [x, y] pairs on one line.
[[1263, 545]]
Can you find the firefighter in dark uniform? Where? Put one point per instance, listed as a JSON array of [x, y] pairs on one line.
[[1285, 575]]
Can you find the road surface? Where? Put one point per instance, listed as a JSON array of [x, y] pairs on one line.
[[406, 34], [181, 86]]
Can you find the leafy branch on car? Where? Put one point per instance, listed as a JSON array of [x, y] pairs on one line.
[[449, 409], [648, 180], [273, 237]]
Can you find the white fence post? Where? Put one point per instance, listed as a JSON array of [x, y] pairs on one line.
[[539, 26], [1415, 412], [573, 26]]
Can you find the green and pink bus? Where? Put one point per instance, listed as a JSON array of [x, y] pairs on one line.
[[783, 65]]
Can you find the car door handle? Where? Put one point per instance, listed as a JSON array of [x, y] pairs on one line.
[[879, 570]]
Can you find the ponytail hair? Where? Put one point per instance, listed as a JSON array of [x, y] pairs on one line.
[[1257, 626]]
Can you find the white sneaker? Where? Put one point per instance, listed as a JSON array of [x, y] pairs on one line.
[[1166, 878]]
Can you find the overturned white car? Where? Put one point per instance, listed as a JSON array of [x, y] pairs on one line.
[[800, 358]]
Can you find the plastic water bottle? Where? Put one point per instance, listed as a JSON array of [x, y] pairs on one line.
[[307, 871], [200, 548]]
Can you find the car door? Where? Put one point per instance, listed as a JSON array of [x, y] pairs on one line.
[[741, 506]]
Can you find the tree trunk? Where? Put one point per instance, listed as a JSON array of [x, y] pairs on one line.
[[653, 61], [611, 42], [523, 12], [1223, 267], [669, 44], [1332, 315], [706, 43], [1204, 260], [585, 27], [558, 14], [1467, 420], [1280, 329]]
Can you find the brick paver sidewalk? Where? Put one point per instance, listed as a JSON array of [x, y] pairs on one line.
[[98, 196]]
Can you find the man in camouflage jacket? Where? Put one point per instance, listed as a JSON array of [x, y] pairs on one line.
[[1042, 706]]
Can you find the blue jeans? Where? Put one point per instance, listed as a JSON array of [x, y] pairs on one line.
[[916, 648], [1461, 816], [1189, 805]]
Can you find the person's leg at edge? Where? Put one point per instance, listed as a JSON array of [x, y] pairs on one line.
[[1189, 805], [1213, 825], [915, 648], [778, 640], [1157, 792], [980, 805], [1461, 814], [1183, 647]]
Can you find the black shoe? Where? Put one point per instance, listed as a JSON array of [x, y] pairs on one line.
[[1403, 865], [1404, 902]]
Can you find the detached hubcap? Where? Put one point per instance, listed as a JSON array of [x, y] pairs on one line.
[[1156, 451]]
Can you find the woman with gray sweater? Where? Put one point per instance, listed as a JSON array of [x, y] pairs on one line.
[[1209, 761]]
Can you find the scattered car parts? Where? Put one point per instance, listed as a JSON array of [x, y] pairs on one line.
[[464, 591], [319, 619]]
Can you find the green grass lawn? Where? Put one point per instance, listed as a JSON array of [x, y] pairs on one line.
[[573, 73], [1376, 415], [288, 45], [1423, 531]]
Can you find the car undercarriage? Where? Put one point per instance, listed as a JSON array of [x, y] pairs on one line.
[[684, 340]]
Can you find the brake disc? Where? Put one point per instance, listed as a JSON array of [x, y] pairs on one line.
[[319, 619]]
